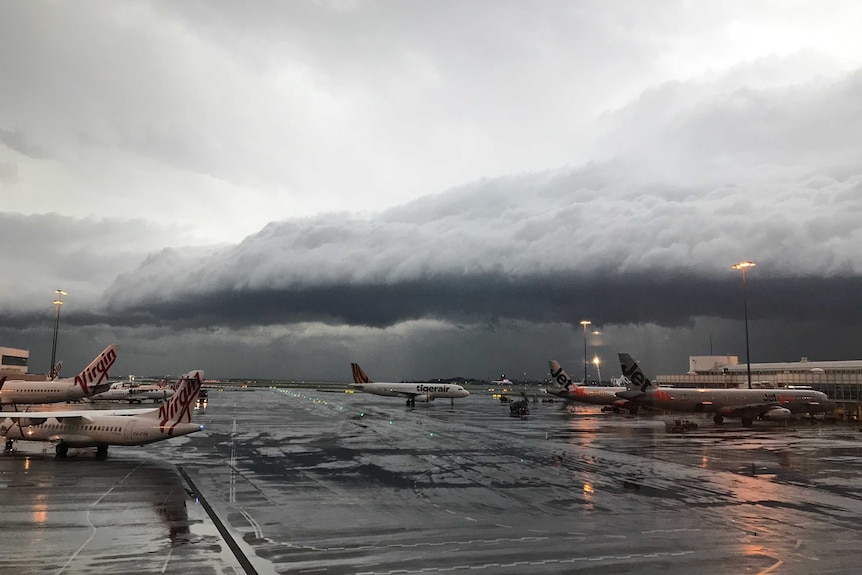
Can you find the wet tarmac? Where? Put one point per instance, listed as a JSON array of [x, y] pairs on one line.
[[293, 481]]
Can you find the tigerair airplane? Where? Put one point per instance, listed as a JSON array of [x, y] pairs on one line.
[[100, 428], [746, 404], [93, 380], [412, 391], [569, 390]]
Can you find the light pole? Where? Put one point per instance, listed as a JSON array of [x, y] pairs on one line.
[[744, 266], [597, 363], [58, 303], [585, 323]]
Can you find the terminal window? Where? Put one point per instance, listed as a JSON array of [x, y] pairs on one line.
[[13, 360]]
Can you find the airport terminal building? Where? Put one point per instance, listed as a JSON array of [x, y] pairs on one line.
[[840, 380], [13, 361]]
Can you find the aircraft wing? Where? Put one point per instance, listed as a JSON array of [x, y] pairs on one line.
[[748, 409], [402, 393]]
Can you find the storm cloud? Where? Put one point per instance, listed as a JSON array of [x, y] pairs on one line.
[[286, 190]]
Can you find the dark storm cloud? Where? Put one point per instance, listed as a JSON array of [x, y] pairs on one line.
[[623, 238], [626, 239]]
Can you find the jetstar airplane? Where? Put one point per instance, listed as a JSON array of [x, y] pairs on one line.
[[94, 379], [567, 389], [746, 404], [412, 391], [101, 428]]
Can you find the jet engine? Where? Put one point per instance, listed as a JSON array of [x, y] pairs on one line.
[[778, 414], [423, 397]]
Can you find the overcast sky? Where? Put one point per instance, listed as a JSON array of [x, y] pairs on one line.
[[276, 189]]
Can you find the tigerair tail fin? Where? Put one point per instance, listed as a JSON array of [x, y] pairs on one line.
[[637, 380], [97, 372], [559, 375], [178, 409], [359, 375]]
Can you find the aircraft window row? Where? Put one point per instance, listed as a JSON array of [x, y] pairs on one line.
[[81, 427]]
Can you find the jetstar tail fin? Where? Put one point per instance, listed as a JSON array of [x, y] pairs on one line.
[[632, 371], [359, 375], [559, 375]]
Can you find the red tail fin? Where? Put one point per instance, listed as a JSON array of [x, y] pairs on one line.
[[359, 375], [178, 409], [97, 371]]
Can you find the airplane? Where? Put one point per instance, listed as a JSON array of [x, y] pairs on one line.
[[100, 428], [127, 391], [92, 380], [746, 404], [412, 391], [571, 391]]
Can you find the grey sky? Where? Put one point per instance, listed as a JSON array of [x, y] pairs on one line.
[[276, 189]]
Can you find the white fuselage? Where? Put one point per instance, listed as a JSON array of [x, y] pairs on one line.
[[19, 392], [589, 394], [419, 391], [133, 393], [730, 401], [93, 431]]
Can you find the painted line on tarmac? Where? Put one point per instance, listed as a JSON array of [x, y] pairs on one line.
[[228, 538]]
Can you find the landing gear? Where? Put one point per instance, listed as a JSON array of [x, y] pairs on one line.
[[718, 419], [62, 449], [101, 451], [411, 402], [9, 445], [747, 422]]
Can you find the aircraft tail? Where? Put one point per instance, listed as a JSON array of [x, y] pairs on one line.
[[637, 380], [97, 372], [359, 375], [178, 409], [559, 375]]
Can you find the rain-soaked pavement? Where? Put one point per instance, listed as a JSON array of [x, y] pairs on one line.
[[310, 482]]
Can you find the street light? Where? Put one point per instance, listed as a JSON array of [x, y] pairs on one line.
[[585, 323], [597, 363], [744, 266], [58, 303]]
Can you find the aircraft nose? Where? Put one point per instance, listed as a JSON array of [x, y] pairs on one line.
[[464, 393]]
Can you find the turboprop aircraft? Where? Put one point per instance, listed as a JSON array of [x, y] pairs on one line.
[[132, 393], [101, 428], [94, 379], [412, 391], [746, 404], [567, 389]]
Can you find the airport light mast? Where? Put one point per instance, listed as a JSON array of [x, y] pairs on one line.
[[58, 303], [744, 266], [597, 362], [585, 323]]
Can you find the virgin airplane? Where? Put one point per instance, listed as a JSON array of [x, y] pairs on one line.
[[92, 380], [101, 428]]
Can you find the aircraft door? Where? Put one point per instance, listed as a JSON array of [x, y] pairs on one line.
[[128, 430]]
